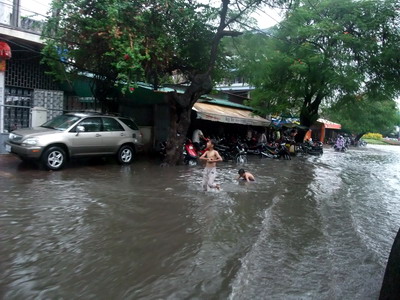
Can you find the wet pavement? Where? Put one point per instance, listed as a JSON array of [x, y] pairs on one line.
[[309, 228]]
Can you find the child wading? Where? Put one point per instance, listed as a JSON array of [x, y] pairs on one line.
[[211, 157], [246, 175]]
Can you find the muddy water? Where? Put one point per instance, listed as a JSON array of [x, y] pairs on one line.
[[309, 228]]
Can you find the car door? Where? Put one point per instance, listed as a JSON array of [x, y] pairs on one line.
[[113, 134], [89, 141]]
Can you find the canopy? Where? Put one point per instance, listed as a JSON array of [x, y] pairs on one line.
[[287, 122], [329, 125], [224, 114]]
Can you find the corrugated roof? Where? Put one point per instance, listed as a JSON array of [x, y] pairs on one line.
[[203, 99], [219, 113]]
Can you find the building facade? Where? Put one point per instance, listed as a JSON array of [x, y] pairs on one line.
[[25, 83]]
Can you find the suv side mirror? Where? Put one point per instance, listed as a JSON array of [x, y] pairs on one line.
[[80, 128]]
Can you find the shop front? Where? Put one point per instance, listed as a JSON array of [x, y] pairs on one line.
[[323, 130], [216, 120]]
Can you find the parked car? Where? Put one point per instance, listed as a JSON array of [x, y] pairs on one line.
[[77, 135]]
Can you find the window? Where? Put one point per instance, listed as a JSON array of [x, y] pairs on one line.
[[91, 124], [61, 122], [129, 123], [110, 124]]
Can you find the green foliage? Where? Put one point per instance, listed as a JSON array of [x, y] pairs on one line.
[[364, 114], [373, 136], [127, 41], [323, 52]]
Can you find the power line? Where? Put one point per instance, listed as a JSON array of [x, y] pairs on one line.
[[23, 9], [262, 11], [40, 3]]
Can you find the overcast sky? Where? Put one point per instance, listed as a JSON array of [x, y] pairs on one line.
[[37, 9], [265, 17]]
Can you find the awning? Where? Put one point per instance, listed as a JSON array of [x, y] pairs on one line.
[[79, 87], [329, 125], [224, 114], [287, 122]]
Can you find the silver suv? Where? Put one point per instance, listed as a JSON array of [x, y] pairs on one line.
[[77, 135]]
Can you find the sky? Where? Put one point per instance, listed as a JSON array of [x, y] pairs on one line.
[[267, 17], [37, 9]]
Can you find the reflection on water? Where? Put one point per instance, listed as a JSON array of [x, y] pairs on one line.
[[312, 227]]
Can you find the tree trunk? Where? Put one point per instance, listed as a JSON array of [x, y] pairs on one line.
[[301, 133], [309, 114], [180, 107], [308, 117], [105, 93], [178, 127], [359, 136]]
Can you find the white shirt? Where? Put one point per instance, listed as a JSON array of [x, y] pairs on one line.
[[262, 138], [196, 136]]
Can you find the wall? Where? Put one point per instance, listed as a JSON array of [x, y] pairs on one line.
[[51, 100], [27, 86], [3, 138]]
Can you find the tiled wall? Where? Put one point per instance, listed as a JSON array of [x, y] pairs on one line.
[[51, 100], [24, 70]]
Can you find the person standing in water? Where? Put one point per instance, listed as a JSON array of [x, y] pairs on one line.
[[211, 156]]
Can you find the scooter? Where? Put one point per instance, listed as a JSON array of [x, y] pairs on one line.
[[340, 145], [235, 152], [313, 148], [189, 153], [252, 147], [277, 151], [241, 154]]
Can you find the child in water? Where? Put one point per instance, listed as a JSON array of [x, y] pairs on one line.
[[211, 157], [245, 175]]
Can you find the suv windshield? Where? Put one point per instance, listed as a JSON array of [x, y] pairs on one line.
[[62, 122], [129, 123]]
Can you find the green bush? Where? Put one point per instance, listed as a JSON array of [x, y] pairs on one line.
[[374, 136]]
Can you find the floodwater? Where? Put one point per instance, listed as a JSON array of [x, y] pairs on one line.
[[309, 228]]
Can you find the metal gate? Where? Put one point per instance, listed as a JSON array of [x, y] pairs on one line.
[[17, 108]]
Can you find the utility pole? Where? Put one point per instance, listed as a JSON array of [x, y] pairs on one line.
[[15, 14]]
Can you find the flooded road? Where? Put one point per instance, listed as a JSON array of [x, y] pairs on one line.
[[309, 228]]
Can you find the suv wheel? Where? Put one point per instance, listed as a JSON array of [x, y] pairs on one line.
[[54, 158], [125, 155]]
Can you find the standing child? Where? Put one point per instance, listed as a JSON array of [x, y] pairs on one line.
[[211, 156]]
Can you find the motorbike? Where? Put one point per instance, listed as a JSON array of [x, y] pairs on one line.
[[190, 155], [276, 151], [340, 145], [313, 148], [235, 152], [252, 147], [240, 154], [362, 143]]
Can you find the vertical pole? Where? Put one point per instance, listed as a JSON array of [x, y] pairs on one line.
[[15, 15], [322, 138], [2, 91]]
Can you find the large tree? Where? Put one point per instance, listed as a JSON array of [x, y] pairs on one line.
[[361, 115], [125, 41], [326, 50]]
